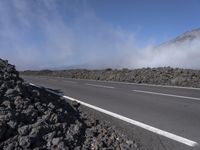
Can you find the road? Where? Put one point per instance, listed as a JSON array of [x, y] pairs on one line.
[[171, 109]]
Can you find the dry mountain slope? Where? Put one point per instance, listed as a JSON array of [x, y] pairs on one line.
[[188, 36]]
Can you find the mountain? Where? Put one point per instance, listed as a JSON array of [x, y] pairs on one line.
[[188, 36], [182, 51]]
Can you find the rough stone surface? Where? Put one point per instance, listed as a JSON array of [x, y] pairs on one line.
[[33, 118], [159, 76]]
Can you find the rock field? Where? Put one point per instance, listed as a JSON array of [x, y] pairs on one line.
[[159, 76], [33, 118]]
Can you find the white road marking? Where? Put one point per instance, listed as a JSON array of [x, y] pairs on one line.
[[139, 124], [51, 79], [55, 79], [140, 84], [164, 94], [73, 82], [130, 83], [102, 86], [33, 84], [134, 122]]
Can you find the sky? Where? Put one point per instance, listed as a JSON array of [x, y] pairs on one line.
[[40, 34]]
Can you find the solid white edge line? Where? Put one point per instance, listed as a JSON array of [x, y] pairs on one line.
[[33, 84], [134, 122], [164, 94], [102, 86], [139, 124]]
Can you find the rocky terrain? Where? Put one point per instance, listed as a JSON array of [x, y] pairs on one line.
[[33, 118], [159, 76]]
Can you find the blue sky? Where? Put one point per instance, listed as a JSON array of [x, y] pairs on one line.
[[159, 20], [38, 34]]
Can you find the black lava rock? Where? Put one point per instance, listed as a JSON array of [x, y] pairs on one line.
[[159, 76], [33, 118]]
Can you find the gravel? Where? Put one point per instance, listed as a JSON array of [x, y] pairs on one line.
[[158, 76], [33, 118]]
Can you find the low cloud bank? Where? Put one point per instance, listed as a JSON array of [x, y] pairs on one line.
[[181, 54], [46, 34]]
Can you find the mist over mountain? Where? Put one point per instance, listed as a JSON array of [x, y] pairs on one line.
[[182, 51], [58, 34]]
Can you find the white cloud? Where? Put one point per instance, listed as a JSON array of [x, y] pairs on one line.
[[48, 33], [181, 54]]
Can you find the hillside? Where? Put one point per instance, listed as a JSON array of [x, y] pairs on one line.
[[188, 36]]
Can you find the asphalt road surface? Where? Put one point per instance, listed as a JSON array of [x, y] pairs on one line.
[[171, 109]]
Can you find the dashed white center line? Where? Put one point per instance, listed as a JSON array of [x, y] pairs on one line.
[[164, 94], [51, 79], [102, 86], [73, 82]]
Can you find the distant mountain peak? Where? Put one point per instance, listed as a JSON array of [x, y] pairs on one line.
[[190, 35], [185, 37]]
